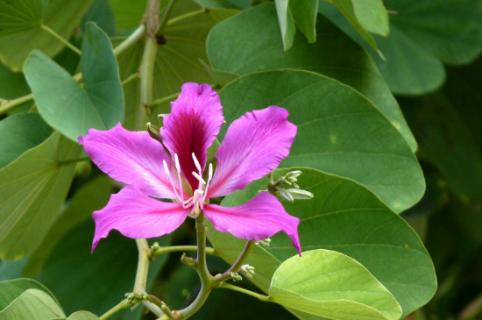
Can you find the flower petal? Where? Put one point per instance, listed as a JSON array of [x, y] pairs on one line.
[[193, 124], [257, 219], [130, 157], [135, 215], [254, 146]]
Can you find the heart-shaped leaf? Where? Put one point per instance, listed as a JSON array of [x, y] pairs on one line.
[[73, 110], [332, 285], [339, 131]]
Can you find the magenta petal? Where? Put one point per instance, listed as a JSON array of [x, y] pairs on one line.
[[193, 124], [257, 219], [130, 157], [135, 215], [254, 145]]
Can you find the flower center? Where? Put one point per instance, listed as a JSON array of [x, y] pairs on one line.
[[198, 198]]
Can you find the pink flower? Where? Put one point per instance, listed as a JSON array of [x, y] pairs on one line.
[[253, 146]]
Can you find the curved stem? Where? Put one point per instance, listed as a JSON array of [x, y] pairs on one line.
[[60, 38], [237, 264], [130, 40], [146, 71], [185, 16], [253, 294], [8, 105], [118, 307]]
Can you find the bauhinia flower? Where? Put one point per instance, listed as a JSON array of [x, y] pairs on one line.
[[177, 170]]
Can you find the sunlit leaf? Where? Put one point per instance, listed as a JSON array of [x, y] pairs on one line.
[[32, 304], [332, 285], [11, 289]]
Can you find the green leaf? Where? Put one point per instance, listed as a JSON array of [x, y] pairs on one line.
[[82, 315], [372, 15], [423, 36], [345, 217], [409, 68], [32, 191], [32, 304], [11, 289], [305, 14], [19, 133], [111, 267], [330, 284], [88, 198], [357, 17], [12, 84], [101, 13], [21, 28], [100, 104], [249, 42], [286, 23], [340, 131]]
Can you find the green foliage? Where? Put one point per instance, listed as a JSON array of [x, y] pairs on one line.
[[346, 217], [330, 284], [23, 27], [32, 191], [249, 42], [386, 97], [325, 109], [19, 133], [99, 104]]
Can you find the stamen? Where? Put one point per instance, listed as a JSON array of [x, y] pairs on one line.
[[198, 177], [210, 177], [178, 169], [168, 173], [196, 163]]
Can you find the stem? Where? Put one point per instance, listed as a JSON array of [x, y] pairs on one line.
[[256, 295], [146, 71], [185, 16], [118, 307], [7, 106], [130, 40], [162, 250], [163, 99], [142, 266], [236, 265], [130, 78], [202, 270], [60, 38]]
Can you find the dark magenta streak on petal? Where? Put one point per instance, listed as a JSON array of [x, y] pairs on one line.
[[258, 219], [193, 124], [135, 215]]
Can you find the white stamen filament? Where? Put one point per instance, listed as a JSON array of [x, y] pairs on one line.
[[168, 173], [200, 194]]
